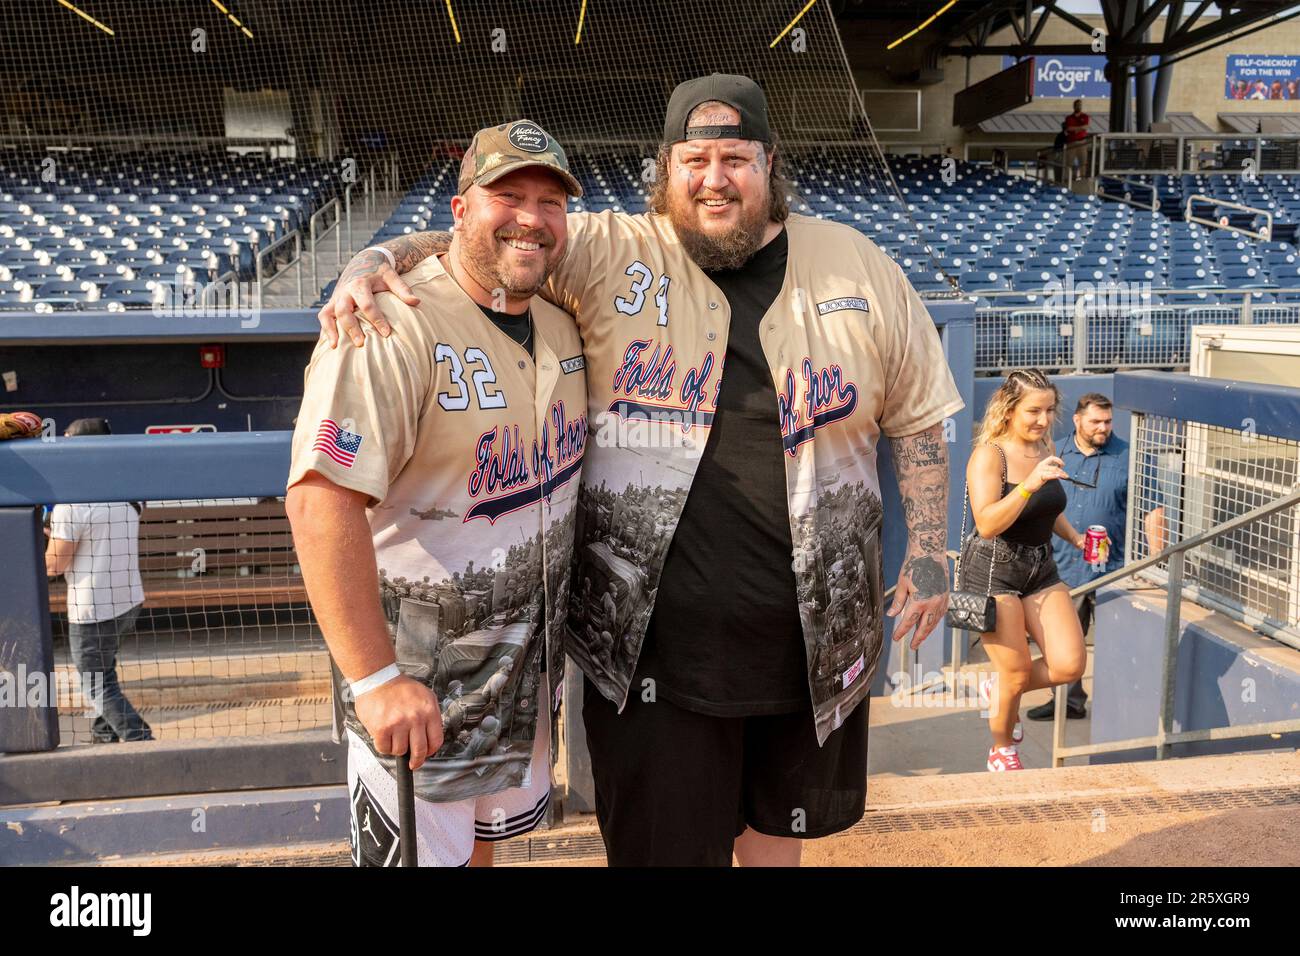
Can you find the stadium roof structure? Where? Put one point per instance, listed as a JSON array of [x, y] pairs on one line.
[[1142, 37], [1040, 121], [965, 28], [1249, 122]]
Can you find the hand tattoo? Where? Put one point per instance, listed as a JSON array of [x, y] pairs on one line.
[[363, 265], [929, 576]]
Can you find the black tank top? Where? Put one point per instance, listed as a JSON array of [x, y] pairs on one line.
[[1034, 526]]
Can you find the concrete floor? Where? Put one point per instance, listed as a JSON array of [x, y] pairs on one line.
[[937, 732]]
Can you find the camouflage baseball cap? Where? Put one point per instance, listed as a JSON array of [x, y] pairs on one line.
[[499, 150]]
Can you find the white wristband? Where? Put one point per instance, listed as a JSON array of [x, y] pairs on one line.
[[392, 259], [378, 679]]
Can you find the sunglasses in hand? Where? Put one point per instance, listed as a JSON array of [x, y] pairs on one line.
[[1095, 475]]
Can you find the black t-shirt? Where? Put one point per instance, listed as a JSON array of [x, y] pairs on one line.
[[725, 637], [518, 327]]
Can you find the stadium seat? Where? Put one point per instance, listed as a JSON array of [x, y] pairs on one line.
[[65, 293], [130, 292]]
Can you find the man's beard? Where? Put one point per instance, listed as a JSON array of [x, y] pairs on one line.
[[728, 250], [483, 261]]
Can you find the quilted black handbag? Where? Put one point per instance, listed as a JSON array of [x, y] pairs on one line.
[[970, 610]]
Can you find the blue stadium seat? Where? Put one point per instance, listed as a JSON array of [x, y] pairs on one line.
[[1239, 276], [33, 274], [130, 289], [1189, 298], [1032, 281], [1141, 273], [1102, 261], [64, 293]]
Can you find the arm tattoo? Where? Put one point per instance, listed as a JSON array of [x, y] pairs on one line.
[[411, 250], [921, 462]]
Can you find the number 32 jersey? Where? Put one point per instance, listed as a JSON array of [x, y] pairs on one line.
[[470, 451]]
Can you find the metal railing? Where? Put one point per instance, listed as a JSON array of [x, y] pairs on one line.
[[1052, 168], [227, 284], [1165, 736], [313, 225], [264, 279], [1082, 333], [1264, 234], [1126, 196], [347, 219], [1267, 152], [225, 662], [1219, 505]]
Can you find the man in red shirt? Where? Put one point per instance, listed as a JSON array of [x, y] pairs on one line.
[[1076, 134]]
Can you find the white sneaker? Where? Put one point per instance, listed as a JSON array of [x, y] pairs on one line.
[[1004, 758], [1017, 733]]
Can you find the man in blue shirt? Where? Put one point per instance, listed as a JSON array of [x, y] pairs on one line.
[[1095, 456]]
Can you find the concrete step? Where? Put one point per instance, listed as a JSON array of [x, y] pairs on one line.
[[332, 254], [1226, 810]]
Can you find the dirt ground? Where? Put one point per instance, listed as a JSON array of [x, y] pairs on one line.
[[1263, 837]]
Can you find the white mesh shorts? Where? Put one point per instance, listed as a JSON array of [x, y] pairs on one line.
[[445, 832]]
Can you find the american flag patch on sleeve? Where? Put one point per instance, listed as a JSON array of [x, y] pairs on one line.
[[338, 444]]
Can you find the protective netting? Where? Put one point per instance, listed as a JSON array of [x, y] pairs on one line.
[[155, 146], [180, 620]]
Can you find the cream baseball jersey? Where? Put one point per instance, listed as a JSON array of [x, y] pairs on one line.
[[470, 451], [853, 354]]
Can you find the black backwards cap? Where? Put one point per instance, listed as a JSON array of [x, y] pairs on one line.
[[739, 92]]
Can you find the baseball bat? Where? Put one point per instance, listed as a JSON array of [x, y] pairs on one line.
[[406, 810]]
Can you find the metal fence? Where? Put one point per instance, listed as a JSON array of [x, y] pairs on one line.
[[1188, 477], [1096, 338]]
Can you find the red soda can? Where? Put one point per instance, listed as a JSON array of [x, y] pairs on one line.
[[1096, 544]]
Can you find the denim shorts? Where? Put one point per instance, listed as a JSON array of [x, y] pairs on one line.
[[1017, 568]]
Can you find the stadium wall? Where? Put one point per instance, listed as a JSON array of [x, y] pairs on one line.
[[1227, 675], [138, 370]]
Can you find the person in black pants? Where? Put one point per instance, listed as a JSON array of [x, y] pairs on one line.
[[1017, 502]]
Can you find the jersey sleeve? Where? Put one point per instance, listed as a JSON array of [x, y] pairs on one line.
[[572, 276], [64, 524], [361, 407], [919, 388]]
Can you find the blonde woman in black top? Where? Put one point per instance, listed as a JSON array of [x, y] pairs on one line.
[[1018, 502]]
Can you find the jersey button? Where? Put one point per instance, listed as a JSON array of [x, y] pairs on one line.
[[713, 305], [523, 364], [710, 335]]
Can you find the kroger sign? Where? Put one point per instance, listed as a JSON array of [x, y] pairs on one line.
[[1067, 77]]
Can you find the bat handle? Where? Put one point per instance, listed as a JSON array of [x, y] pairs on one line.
[[406, 810]]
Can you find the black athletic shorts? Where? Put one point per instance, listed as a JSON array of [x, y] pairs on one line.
[[675, 787]]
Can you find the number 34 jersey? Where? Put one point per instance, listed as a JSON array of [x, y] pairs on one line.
[[854, 357], [470, 451]]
